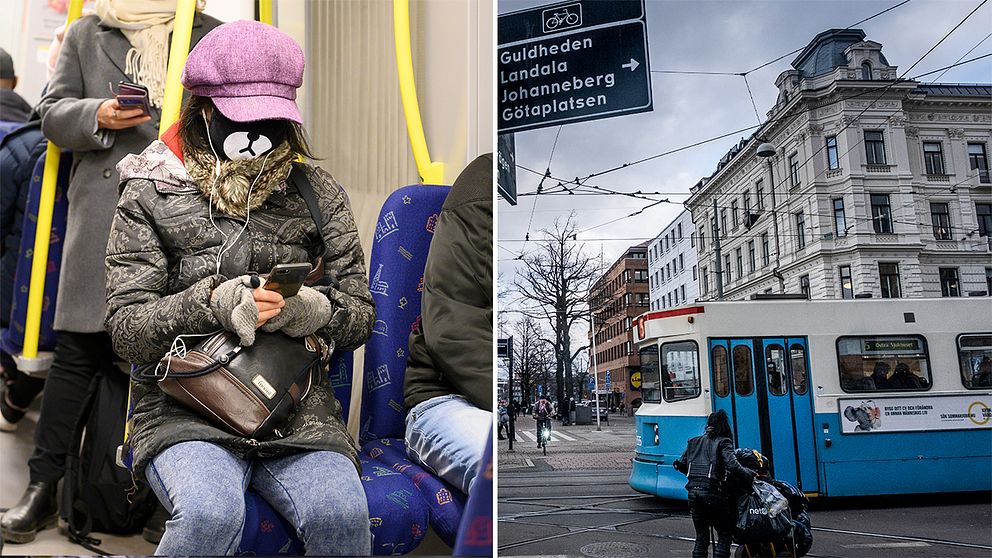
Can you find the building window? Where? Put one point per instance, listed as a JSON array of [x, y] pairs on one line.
[[941, 218], [682, 291], [747, 204], [833, 162], [800, 230], [695, 274], [866, 71], [874, 147], [949, 285], [846, 282], [840, 221], [713, 226], [881, 213], [734, 216], [643, 299], [978, 160], [680, 231], [681, 263], [984, 213], [723, 222], [666, 242], [794, 170], [739, 253], [988, 281], [705, 280], [726, 269], [933, 157], [888, 276], [750, 255], [759, 195], [702, 241], [804, 285], [764, 249]]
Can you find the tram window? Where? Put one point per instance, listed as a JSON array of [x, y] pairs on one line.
[[975, 356], [743, 383], [680, 370], [798, 353], [650, 375], [883, 363], [775, 364], [721, 383]]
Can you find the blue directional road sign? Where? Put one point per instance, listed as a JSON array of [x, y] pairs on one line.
[[572, 62], [607, 379]]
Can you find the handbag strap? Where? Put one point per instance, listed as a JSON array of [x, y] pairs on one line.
[[298, 176]]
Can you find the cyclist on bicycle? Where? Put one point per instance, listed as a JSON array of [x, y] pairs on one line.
[[542, 413]]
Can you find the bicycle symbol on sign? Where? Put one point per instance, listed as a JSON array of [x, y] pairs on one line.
[[564, 18]]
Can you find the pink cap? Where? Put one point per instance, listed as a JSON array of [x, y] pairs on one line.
[[250, 71]]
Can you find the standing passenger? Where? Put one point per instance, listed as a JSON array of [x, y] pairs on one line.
[[708, 462], [124, 41]]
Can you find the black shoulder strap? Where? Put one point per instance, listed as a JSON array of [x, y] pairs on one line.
[[299, 178]]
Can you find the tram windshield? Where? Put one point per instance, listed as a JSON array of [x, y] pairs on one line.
[[883, 363], [680, 370], [650, 374]]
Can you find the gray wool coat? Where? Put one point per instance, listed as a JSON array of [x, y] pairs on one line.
[[92, 57]]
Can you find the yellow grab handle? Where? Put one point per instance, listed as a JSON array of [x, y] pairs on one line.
[[182, 31], [430, 173], [43, 231], [265, 11]]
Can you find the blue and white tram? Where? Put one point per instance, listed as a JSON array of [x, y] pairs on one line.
[[846, 398]]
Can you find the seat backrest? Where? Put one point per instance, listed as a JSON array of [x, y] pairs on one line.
[[396, 278], [13, 336]]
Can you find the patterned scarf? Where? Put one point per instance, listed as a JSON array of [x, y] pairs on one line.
[[146, 24], [230, 195]]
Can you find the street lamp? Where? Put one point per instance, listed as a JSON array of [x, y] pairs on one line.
[[766, 151]]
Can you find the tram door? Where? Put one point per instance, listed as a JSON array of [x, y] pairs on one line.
[[763, 385]]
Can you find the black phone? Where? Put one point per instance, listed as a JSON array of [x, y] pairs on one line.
[[286, 279], [131, 96]]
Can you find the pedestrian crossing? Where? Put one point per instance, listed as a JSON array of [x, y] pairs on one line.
[[555, 435]]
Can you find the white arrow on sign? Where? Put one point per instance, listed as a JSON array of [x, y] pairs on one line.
[[632, 65]]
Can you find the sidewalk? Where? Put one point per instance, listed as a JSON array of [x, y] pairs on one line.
[[571, 447]]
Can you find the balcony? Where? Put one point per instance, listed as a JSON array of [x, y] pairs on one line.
[[938, 178], [878, 168], [833, 173]]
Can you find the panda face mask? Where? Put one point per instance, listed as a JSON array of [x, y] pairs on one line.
[[239, 141]]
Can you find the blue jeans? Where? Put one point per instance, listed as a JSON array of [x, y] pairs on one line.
[[447, 435], [203, 486]]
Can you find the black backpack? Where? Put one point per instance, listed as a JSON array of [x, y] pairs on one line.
[[97, 494]]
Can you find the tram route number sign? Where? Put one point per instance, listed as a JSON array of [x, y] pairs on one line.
[[572, 62]]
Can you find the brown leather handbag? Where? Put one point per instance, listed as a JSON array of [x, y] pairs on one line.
[[249, 391]]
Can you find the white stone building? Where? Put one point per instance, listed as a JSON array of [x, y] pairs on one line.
[[672, 271], [877, 186]]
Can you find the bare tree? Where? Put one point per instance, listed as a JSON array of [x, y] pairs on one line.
[[553, 285]]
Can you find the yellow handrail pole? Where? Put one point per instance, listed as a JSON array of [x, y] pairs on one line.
[[430, 173], [182, 31], [43, 232], [265, 11]]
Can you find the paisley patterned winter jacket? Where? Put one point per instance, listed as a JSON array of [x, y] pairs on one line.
[[161, 263]]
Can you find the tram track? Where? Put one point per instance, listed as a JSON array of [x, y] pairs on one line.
[[552, 509]]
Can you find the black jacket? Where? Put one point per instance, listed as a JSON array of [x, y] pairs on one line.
[[450, 352], [711, 459]]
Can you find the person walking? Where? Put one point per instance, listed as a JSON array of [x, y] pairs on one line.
[[122, 41], [709, 462]]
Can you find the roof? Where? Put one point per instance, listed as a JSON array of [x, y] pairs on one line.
[[826, 51], [956, 90]]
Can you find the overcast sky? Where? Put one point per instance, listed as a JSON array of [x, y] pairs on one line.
[[714, 36]]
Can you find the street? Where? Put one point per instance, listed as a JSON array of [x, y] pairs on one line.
[[576, 502]]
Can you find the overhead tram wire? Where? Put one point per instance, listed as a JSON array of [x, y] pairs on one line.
[[959, 59], [540, 185]]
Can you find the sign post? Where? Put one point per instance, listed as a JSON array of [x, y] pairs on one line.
[[572, 62]]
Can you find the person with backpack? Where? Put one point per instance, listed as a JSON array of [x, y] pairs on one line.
[[543, 412], [709, 462]]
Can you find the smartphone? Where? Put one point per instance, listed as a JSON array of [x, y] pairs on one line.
[[286, 279], [131, 96]]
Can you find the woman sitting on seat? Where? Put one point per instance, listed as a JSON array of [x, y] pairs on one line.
[[198, 216]]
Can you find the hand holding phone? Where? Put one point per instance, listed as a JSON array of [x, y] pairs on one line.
[[133, 96], [286, 279]]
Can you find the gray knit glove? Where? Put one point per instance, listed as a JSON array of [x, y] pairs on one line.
[[234, 307], [302, 315]]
